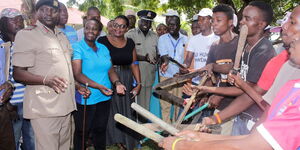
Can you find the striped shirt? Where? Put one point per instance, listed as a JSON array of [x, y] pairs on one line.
[[18, 94]]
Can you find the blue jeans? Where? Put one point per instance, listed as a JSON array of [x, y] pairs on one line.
[[22, 127], [240, 126]]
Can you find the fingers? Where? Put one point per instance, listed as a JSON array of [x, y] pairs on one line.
[[6, 95], [121, 89], [187, 89], [57, 84]]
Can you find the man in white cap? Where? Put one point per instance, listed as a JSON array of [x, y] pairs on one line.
[[170, 14], [198, 45], [130, 14], [195, 27]]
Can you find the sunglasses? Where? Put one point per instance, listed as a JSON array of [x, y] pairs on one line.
[[121, 26]]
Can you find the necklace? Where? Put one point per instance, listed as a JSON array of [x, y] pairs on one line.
[[245, 66]]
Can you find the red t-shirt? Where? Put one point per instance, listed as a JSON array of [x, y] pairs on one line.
[[271, 70], [282, 127]]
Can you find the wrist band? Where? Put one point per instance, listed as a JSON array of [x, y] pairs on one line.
[[175, 141], [136, 62], [115, 83], [218, 118]]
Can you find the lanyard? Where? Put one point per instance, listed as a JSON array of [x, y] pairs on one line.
[[174, 45]]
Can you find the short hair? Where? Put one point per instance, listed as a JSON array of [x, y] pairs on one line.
[[97, 22], [124, 18], [93, 8], [266, 9], [161, 24], [226, 9]]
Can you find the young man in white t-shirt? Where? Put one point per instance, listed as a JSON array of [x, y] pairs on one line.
[[199, 45]]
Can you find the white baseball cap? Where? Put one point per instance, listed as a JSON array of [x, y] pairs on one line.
[[281, 22], [129, 12], [205, 12], [195, 18], [171, 12], [235, 20]]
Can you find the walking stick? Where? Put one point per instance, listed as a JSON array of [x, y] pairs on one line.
[[84, 120]]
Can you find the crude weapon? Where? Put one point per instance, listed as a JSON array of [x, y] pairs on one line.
[[240, 48], [138, 128], [154, 119], [190, 102]]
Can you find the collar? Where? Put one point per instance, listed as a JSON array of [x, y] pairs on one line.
[[180, 36], [87, 46], [46, 30]]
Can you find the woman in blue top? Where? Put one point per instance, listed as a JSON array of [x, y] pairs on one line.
[[92, 65]]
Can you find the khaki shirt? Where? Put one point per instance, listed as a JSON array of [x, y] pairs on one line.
[[143, 45], [45, 53]]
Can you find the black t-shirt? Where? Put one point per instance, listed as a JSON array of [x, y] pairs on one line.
[[223, 52], [119, 56], [256, 60]]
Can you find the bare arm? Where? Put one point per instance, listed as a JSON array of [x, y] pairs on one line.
[[136, 73], [188, 59], [81, 78], [217, 142], [21, 74]]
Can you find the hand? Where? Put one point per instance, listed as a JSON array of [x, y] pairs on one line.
[[135, 91], [58, 84], [8, 90], [164, 67], [214, 101], [167, 142], [189, 135], [209, 69], [209, 120], [106, 91], [187, 89], [184, 70], [121, 89], [149, 60], [235, 79], [85, 92], [202, 89]]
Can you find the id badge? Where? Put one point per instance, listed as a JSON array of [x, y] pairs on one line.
[[250, 124]]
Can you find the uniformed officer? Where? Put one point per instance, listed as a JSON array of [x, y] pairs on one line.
[[42, 60], [145, 44]]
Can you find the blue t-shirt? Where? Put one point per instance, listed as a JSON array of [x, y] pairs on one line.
[[71, 33], [95, 65], [2, 65]]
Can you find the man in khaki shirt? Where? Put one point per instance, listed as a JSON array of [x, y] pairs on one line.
[[42, 61], [145, 44]]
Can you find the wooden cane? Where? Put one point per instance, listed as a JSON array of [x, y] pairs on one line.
[[138, 128], [154, 119], [190, 102], [84, 120]]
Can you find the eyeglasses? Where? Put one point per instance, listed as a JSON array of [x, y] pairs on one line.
[[121, 26]]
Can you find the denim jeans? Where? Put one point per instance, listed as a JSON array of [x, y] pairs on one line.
[[22, 128], [240, 126]]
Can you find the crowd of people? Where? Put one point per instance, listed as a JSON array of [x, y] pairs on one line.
[[53, 77]]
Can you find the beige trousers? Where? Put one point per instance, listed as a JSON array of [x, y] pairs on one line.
[[166, 105], [52, 133]]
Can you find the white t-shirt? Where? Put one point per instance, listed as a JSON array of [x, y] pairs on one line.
[[200, 46]]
